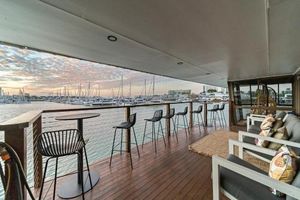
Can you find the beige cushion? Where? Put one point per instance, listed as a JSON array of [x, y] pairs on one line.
[[281, 134], [283, 166], [263, 143], [276, 125], [267, 123]]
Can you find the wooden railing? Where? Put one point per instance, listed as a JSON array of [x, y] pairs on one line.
[[15, 130]]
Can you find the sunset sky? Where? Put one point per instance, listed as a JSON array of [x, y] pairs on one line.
[[45, 74]]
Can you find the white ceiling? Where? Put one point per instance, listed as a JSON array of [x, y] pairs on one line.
[[217, 40]]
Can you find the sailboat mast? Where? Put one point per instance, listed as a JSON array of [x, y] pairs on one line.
[[130, 89], [145, 87], [153, 87], [122, 84]]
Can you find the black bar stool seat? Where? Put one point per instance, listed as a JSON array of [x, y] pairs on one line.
[[154, 119], [214, 115], [154, 136], [55, 144], [197, 113], [170, 116], [57, 150], [184, 118], [123, 125], [127, 126], [222, 114], [199, 110]]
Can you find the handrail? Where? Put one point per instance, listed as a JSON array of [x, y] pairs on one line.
[[21, 121], [113, 107]]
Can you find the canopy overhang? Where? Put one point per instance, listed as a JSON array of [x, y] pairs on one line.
[[215, 40]]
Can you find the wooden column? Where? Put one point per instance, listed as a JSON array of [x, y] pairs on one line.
[[296, 94], [191, 114], [15, 135], [37, 158], [231, 105], [168, 121], [17, 139], [205, 113], [128, 135]]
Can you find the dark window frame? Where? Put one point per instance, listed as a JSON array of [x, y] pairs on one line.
[[250, 84]]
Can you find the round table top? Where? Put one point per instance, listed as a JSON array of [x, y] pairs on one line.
[[78, 116]]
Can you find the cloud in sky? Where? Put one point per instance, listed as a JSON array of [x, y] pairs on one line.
[[42, 73]]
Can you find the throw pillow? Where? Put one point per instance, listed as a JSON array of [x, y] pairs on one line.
[[281, 134], [277, 124], [267, 122], [283, 167], [263, 143]]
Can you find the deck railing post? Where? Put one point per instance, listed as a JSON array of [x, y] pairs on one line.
[[168, 121], [205, 113], [191, 114], [37, 158], [17, 139], [128, 139]]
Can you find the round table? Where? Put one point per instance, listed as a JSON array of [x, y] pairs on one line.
[[71, 188]]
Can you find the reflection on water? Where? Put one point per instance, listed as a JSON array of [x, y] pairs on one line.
[[98, 130]]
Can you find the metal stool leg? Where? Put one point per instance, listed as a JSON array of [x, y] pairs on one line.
[[218, 116], [130, 159], [174, 131], [202, 120], [184, 125], [177, 122], [136, 143], [82, 185], [224, 117], [221, 118], [214, 121], [121, 145], [210, 118], [153, 133], [144, 134], [45, 172], [87, 166], [55, 177], [113, 147], [199, 123], [161, 128], [187, 124]]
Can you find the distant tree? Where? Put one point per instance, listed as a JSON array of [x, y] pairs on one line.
[[211, 90]]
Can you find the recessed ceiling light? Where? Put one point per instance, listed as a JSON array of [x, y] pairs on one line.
[[112, 38], [179, 63], [207, 73]]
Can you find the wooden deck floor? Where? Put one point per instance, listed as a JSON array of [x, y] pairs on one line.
[[173, 173]]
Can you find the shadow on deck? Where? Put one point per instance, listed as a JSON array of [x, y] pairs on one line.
[[173, 173]]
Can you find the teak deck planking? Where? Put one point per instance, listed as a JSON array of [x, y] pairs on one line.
[[173, 173]]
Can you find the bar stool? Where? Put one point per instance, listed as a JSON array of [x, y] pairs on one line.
[[56, 144], [170, 117], [185, 121], [222, 114], [197, 113], [156, 118], [214, 115], [125, 126]]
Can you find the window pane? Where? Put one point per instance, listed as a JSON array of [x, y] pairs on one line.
[[273, 92], [253, 94], [245, 94], [285, 94]]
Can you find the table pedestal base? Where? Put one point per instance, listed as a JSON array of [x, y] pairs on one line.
[[71, 189]]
